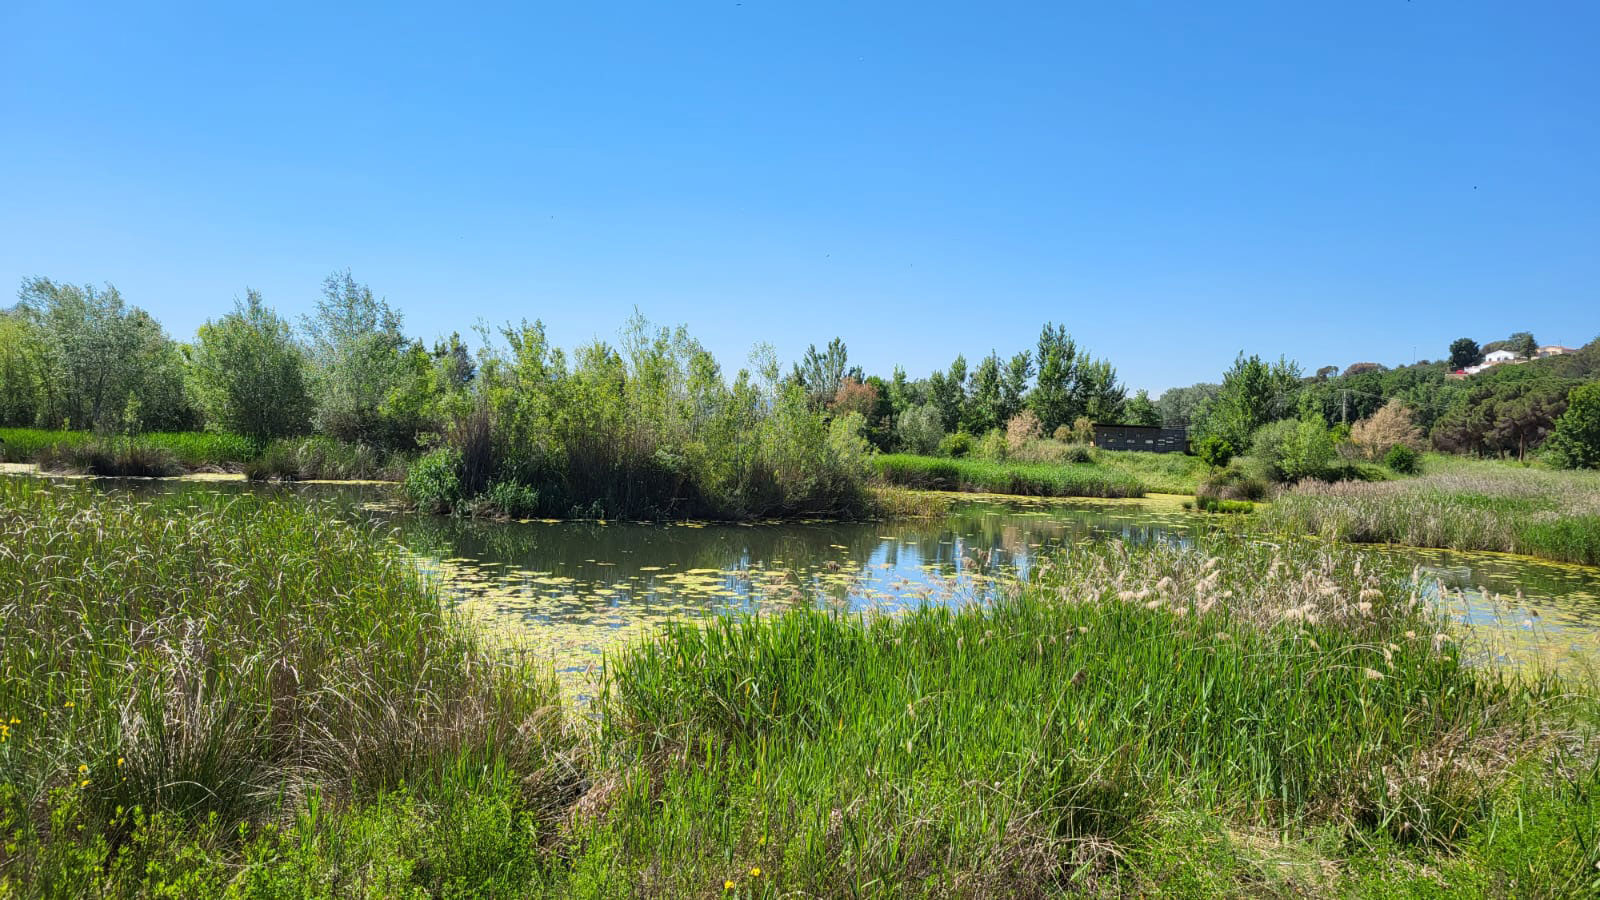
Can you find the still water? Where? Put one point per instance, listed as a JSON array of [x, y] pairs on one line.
[[568, 591]]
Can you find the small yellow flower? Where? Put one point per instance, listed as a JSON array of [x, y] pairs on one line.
[[69, 704], [755, 871], [84, 783], [727, 884], [119, 760], [761, 841], [82, 770]]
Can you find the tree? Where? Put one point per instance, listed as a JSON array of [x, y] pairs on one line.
[[948, 393], [1522, 344], [820, 374], [1140, 411], [1362, 368], [356, 361], [1575, 444], [1505, 416], [101, 363], [20, 355], [248, 373], [1465, 352], [984, 405], [1178, 406], [1253, 393], [1072, 384]]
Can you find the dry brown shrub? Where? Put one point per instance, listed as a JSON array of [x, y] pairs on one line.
[[1023, 428], [1373, 436]]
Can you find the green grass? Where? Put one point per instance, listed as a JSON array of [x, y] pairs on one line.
[[1457, 504], [1162, 473], [189, 449], [201, 666], [1030, 479], [295, 716]]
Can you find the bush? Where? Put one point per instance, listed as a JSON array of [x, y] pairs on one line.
[[920, 429], [1391, 426], [956, 445], [1232, 484], [1576, 441], [1023, 428], [433, 483], [992, 446], [1403, 459], [1215, 449], [1293, 450], [1079, 453]]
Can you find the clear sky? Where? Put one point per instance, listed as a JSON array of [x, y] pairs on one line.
[[1175, 182]]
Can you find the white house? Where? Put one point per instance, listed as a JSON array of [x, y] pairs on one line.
[[1499, 356]]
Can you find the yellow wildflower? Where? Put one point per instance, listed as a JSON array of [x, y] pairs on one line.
[[83, 769], [755, 871], [727, 884], [119, 760], [84, 783]]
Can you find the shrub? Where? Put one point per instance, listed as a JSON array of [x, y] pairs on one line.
[[1576, 441], [992, 446], [508, 498], [1232, 484], [956, 445], [1294, 449], [920, 429], [1079, 453], [112, 457], [1402, 459], [1023, 428], [433, 483], [1216, 450]]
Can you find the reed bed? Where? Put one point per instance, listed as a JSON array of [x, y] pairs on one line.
[[1042, 746], [1484, 506], [1027, 479]]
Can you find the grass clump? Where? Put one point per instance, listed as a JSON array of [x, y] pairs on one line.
[[1458, 505], [324, 458], [111, 456], [177, 678], [1162, 473], [1029, 479]]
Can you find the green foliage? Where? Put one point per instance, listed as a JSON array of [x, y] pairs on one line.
[[1232, 484], [433, 483], [319, 457], [1072, 384], [652, 429], [1465, 352], [248, 374], [1575, 444], [1182, 406], [92, 361], [1252, 394], [955, 445], [1215, 450], [510, 499], [919, 429], [821, 375], [1403, 460], [281, 657], [1294, 449], [362, 367], [1141, 411], [1504, 415], [984, 475]]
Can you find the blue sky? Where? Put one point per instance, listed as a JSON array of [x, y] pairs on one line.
[[1175, 182]]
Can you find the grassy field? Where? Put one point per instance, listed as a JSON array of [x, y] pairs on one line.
[[1030, 479], [1162, 473], [1457, 504], [244, 697]]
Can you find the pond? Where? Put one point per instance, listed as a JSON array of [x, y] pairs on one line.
[[568, 591]]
